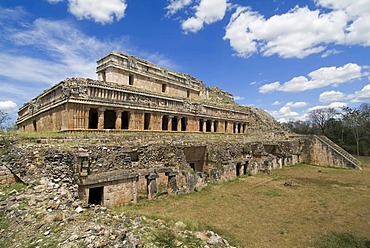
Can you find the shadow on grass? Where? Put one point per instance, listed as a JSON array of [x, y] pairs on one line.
[[341, 240]]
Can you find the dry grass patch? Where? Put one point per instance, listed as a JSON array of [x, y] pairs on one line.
[[260, 211]]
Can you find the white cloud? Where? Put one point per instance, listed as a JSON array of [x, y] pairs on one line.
[[207, 12], [285, 113], [176, 5], [336, 105], [298, 33], [276, 103], [332, 96], [362, 95], [238, 98], [8, 106], [330, 52], [301, 31], [267, 88], [297, 104], [102, 12], [320, 78]]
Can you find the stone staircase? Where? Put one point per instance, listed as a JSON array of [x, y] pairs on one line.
[[339, 150]]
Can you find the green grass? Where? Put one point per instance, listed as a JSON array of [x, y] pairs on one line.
[[259, 211]]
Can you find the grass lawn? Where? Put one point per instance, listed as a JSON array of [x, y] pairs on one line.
[[259, 211]]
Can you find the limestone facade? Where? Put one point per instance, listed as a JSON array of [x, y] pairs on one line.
[[133, 94]]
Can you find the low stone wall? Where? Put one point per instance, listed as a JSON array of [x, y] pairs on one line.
[[119, 173]]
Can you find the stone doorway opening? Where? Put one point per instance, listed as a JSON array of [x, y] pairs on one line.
[[109, 119], [215, 126], [93, 118], [201, 125], [125, 118], [96, 195], [208, 126], [34, 126], [165, 123], [146, 121], [183, 124], [174, 123], [238, 167]]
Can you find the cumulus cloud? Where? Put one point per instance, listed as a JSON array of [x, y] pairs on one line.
[[176, 5], [286, 113], [362, 95], [332, 96], [8, 106], [320, 78], [298, 33], [207, 12], [301, 31], [336, 105], [100, 11]]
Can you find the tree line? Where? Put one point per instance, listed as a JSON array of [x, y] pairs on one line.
[[349, 128]]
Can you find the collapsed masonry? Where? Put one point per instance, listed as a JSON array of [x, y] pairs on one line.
[[189, 134], [115, 169]]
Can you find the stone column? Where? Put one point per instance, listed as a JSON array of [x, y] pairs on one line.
[[118, 120], [101, 118], [86, 122], [172, 183], [169, 123], [152, 185], [204, 126], [179, 123], [212, 126]]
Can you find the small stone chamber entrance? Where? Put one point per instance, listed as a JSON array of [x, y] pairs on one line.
[[96, 196]]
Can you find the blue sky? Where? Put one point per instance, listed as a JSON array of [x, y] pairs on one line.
[[287, 57]]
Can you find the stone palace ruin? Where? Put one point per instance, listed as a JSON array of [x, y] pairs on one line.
[[136, 95], [150, 131]]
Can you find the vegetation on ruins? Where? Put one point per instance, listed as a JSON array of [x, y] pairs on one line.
[[350, 128]]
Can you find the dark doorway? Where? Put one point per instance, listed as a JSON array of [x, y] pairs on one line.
[[34, 126], [239, 128], [93, 118], [125, 120], [174, 123], [244, 127], [109, 119], [192, 165], [201, 122], [238, 167], [245, 167], [165, 123], [147, 121], [226, 126], [208, 126], [96, 195], [234, 128], [215, 126], [183, 124]]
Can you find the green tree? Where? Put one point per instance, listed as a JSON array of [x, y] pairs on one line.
[[4, 117], [321, 117]]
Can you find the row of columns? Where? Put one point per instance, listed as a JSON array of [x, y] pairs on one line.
[[205, 125]]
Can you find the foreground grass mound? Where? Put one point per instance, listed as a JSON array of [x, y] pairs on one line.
[[300, 206]]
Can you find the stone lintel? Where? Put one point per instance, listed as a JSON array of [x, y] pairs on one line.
[[109, 177]]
